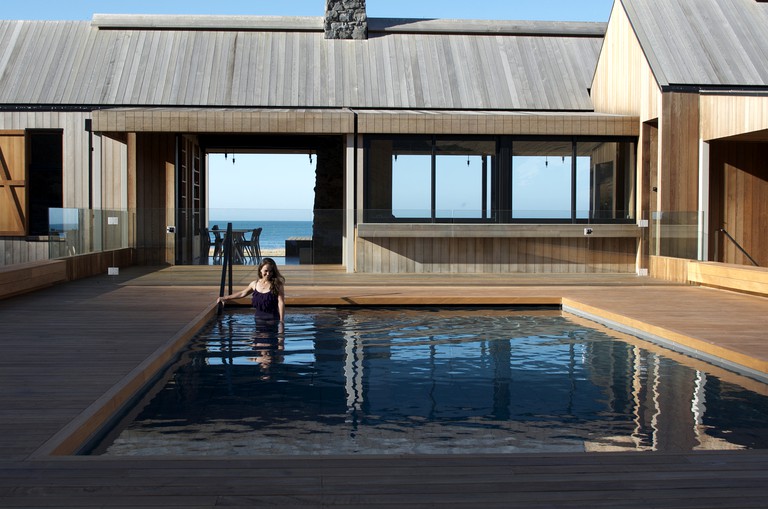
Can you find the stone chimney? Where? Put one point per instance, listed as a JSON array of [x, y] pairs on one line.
[[345, 19]]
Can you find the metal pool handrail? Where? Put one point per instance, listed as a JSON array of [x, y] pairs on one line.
[[226, 264]]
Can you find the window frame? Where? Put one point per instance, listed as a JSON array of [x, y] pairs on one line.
[[499, 206]]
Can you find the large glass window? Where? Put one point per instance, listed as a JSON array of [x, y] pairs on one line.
[[426, 178], [541, 179], [506, 179], [462, 178], [398, 179], [411, 186], [609, 192]]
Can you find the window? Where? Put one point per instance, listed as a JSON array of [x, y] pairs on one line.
[[462, 183], [30, 180], [541, 179], [425, 179], [506, 179], [399, 179], [45, 178], [607, 180]]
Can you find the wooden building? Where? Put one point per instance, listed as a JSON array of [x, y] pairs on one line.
[[695, 74], [442, 145]]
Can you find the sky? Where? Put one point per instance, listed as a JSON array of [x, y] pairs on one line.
[[550, 10], [232, 185]]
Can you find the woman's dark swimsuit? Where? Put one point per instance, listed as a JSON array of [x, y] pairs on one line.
[[265, 305]]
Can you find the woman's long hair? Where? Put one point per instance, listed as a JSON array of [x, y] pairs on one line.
[[277, 279]]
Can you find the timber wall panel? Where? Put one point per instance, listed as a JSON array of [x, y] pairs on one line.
[[739, 200], [27, 277], [669, 269], [109, 173], [495, 255], [75, 147], [678, 170], [732, 115], [491, 123], [245, 120], [155, 157], [623, 82], [747, 279]]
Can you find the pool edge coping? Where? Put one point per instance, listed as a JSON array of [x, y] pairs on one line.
[[698, 348], [79, 431]]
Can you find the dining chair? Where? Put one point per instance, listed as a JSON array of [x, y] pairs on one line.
[[242, 247], [255, 247], [218, 242], [205, 245]]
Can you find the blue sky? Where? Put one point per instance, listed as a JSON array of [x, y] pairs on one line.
[[556, 10], [291, 188]]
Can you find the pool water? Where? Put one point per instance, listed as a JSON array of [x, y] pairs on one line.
[[435, 381]]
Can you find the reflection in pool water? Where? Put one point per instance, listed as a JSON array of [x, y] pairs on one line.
[[418, 381]]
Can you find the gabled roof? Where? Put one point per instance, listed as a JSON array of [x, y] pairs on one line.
[[222, 61], [715, 43]]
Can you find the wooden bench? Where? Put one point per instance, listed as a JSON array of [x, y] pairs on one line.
[[26, 277], [742, 278]]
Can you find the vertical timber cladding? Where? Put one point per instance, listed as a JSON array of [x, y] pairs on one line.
[[391, 255], [154, 184], [678, 178], [739, 200]]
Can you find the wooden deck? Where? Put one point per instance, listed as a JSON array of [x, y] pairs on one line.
[[73, 351]]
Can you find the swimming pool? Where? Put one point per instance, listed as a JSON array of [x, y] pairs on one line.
[[435, 381]]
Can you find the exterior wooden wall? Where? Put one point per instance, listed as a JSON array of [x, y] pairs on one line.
[[739, 200], [623, 82], [75, 140], [151, 174], [732, 115], [669, 269], [679, 152], [220, 120], [108, 170], [678, 175], [496, 255], [114, 162], [492, 123]]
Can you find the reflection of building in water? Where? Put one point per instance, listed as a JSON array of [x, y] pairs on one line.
[[353, 365], [609, 395], [668, 404]]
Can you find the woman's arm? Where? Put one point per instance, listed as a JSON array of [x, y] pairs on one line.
[[281, 305], [239, 295]]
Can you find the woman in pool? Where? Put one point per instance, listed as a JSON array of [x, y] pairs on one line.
[[268, 292]]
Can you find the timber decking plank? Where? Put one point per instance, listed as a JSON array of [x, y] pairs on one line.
[[67, 346]]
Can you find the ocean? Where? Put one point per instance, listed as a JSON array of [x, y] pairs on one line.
[[273, 233]]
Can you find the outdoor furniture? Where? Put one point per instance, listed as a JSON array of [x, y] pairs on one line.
[[255, 246], [249, 248], [218, 242], [205, 244]]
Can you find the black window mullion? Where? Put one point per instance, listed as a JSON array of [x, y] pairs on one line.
[[573, 181], [434, 180]]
